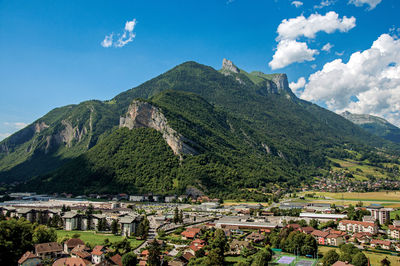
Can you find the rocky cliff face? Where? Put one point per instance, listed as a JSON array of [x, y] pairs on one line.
[[229, 67], [143, 114]]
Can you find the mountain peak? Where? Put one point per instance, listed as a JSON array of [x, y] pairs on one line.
[[228, 66]]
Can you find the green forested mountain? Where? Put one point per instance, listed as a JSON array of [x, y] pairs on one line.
[[375, 125], [219, 131]]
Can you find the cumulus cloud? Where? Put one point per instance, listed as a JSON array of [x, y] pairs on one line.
[[121, 39], [296, 86], [291, 51], [297, 4], [372, 77], [301, 26], [372, 3], [327, 47], [325, 3]]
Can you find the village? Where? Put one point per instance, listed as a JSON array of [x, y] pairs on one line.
[[182, 229]]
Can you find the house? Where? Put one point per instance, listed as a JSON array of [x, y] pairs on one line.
[[293, 226], [48, 250], [306, 230], [29, 259], [136, 198], [363, 238], [334, 240], [236, 246], [72, 243], [384, 244], [81, 251], [357, 226], [379, 213], [116, 259], [341, 263], [394, 231], [28, 214], [170, 198], [98, 254], [72, 221], [196, 245], [320, 236], [190, 233], [128, 225], [255, 237], [71, 261]]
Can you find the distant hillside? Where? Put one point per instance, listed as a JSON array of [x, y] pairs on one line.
[[221, 131], [375, 125]]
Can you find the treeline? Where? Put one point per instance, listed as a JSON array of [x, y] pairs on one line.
[[19, 236]]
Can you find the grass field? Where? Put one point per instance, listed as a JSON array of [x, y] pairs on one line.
[[367, 196], [95, 239], [360, 170], [235, 202], [374, 258]]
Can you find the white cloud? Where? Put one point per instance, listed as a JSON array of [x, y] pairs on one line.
[[108, 40], [325, 3], [4, 135], [327, 47], [372, 76], [122, 39], [301, 26], [339, 53], [372, 3], [291, 51], [296, 86], [297, 3], [15, 125]]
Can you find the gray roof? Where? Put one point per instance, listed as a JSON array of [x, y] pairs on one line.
[[70, 214]]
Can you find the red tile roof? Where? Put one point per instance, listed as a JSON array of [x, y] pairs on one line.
[[381, 242], [365, 224], [48, 247], [319, 233], [117, 259], [27, 255], [73, 242], [71, 262], [98, 250]]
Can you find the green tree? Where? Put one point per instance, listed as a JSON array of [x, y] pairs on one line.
[[129, 259], [154, 254], [330, 258], [385, 262], [346, 257], [176, 215], [314, 223], [360, 259], [43, 234], [262, 257], [181, 216], [15, 240], [114, 227], [214, 257]]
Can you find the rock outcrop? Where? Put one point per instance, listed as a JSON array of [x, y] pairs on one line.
[[228, 67], [143, 114]]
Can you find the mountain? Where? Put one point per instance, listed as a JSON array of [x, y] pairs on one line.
[[220, 131], [375, 125]]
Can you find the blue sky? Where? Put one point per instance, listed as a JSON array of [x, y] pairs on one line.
[[51, 53]]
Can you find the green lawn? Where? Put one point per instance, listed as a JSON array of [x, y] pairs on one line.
[[375, 258], [95, 239], [393, 214]]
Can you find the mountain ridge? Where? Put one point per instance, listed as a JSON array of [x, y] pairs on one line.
[[282, 138]]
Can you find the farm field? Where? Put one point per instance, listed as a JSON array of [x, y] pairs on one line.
[[366, 196], [95, 239], [375, 258], [359, 170]]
